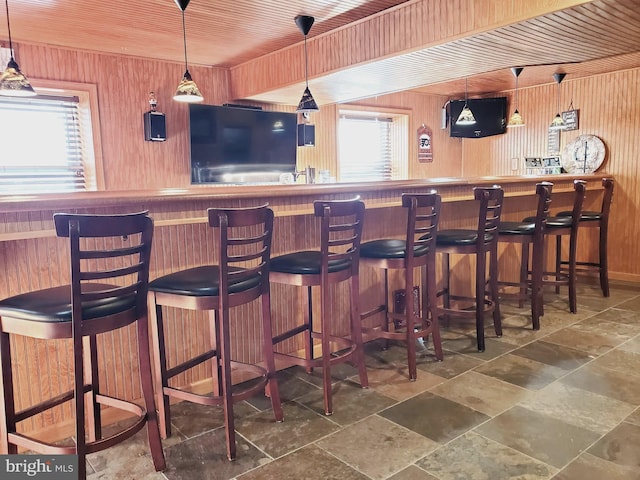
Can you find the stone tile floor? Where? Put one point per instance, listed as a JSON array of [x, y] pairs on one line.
[[561, 403]]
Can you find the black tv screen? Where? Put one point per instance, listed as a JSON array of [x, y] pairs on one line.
[[490, 115], [240, 145]]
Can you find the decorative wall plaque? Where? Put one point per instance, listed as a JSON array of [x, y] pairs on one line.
[[425, 145]]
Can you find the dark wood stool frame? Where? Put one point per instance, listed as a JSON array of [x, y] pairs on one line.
[[479, 242], [423, 211], [241, 275], [336, 261], [600, 220], [89, 306], [566, 226], [529, 234]]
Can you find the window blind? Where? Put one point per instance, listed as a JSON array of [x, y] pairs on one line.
[[41, 144], [365, 153]]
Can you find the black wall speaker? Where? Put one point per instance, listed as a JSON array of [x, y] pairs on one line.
[[155, 128], [306, 135]]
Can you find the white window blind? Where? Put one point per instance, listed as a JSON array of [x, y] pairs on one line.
[[364, 148], [41, 145]]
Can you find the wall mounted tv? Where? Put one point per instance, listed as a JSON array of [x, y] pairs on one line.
[[240, 145], [490, 114]]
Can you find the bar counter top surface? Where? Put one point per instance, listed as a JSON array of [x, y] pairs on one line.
[[56, 201]]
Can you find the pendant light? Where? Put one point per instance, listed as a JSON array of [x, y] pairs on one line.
[[187, 90], [558, 123], [13, 83], [516, 119], [307, 103], [466, 115]]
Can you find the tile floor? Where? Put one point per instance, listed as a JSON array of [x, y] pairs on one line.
[[561, 403]]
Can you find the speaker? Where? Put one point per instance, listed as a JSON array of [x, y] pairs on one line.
[[155, 129], [306, 135]]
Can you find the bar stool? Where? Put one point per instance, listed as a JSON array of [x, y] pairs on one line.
[[531, 270], [423, 211], [565, 226], [479, 242], [336, 261], [241, 275], [109, 257], [600, 220]]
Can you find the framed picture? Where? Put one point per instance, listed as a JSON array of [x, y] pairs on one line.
[[570, 118]]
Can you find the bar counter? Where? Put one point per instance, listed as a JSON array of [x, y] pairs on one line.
[[33, 258]]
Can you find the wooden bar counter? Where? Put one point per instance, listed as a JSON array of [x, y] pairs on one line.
[[32, 257]]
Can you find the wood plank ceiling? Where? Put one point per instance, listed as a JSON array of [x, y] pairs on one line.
[[585, 38]]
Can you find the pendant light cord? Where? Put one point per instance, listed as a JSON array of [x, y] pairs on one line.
[[6, 3], [517, 92], [306, 63], [184, 42]]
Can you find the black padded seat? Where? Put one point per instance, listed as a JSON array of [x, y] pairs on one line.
[[390, 248], [53, 305], [203, 281], [516, 228], [555, 222], [306, 263], [585, 217]]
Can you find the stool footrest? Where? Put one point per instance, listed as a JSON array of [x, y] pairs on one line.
[[335, 358], [178, 369], [236, 396]]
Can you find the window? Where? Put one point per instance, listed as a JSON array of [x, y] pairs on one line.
[[47, 142], [372, 145]]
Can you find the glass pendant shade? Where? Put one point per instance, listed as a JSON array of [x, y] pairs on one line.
[[307, 103], [187, 91], [13, 83], [516, 119], [466, 117]]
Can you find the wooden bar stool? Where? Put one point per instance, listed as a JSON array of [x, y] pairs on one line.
[[479, 242], [241, 275], [109, 256], [531, 270], [336, 261], [566, 226], [600, 220], [423, 211]]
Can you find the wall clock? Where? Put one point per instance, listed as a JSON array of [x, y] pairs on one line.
[[583, 154]]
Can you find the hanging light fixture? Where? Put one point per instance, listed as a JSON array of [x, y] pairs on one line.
[[307, 103], [187, 90], [466, 115], [516, 119], [558, 123], [13, 83]]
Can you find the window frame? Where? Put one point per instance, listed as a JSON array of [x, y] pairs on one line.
[[87, 94], [401, 120]]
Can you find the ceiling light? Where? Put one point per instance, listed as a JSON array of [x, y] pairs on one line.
[[187, 90], [516, 119], [466, 115], [307, 103], [13, 83], [558, 122]]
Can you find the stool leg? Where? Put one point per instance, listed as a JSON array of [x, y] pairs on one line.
[[356, 330], [493, 289], [573, 303], [326, 347], [146, 378], [267, 333], [481, 266], [7, 402], [558, 260], [429, 285], [604, 263], [410, 318], [537, 303], [160, 365], [92, 408], [308, 334], [224, 352], [524, 273], [78, 402], [385, 324]]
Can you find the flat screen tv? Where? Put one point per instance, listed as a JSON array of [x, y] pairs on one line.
[[240, 145], [490, 115]]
